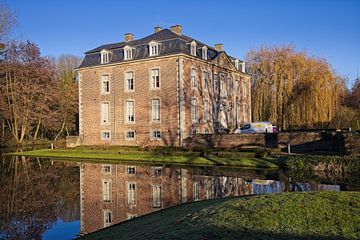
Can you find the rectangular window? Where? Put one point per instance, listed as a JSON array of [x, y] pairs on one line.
[[155, 78], [106, 169], [131, 194], [194, 84], [204, 53], [244, 89], [196, 191], [107, 218], [193, 49], [244, 113], [194, 110], [158, 171], [106, 191], [105, 135], [237, 88], [130, 135], [157, 196], [155, 110], [130, 216], [131, 170], [105, 84], [156, 134], [105, 112], [206, 80], [206, 110], [216, 83], [154, 50], [129, 76], [104, 57], [237, 113], [128, 54], [230, 86], [130, 113]]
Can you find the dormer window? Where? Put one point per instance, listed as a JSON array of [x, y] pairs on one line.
[[128, 53], [153, 48], [204, 52], [237, 64], [105, 56], [193, 48]]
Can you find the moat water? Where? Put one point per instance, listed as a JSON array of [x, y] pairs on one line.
[[56, 199]]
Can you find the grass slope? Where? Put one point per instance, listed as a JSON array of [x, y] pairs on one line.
[[148, 157], [316, 215]]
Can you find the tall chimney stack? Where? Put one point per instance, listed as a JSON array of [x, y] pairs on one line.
[[176, 29], [129, 37], [157, 29], [219, 47]]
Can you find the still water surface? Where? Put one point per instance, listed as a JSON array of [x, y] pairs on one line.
[[55, 199]]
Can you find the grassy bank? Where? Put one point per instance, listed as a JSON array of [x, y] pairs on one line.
[[320, 215], [161, 155]]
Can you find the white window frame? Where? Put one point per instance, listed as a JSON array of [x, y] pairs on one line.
[[131, 170], [127, 78], [193, 78], [155, 78], [105, 84], [237, 88], [105, 120], [237, 64], [206, 110], [244, 112], [193, 48], [128, 53], [130, 216], [130, 138], [206, 80], [130, 118], [244, 89], [158, 171], [106, 168], [194, 110], [105, 56], [103, 132], [196, 191], [155, 134], [106, 190], [107, 217], [237, 113], [157, 196], [155, 110], [204, 52], [131, 193], [154, 48], [216, 83]]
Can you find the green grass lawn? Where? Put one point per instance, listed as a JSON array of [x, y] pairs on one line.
[[315, 215], [168, 156]]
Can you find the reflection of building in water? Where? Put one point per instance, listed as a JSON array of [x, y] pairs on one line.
[[112, 193]]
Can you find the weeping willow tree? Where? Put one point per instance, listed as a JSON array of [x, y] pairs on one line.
[[293, 89]]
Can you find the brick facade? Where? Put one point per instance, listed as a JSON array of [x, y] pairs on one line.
[[227, 104]]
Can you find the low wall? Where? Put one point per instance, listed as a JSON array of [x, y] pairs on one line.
[[73, 141], [301, 142]]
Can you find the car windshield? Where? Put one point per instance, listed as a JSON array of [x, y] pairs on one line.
[[246, 126]]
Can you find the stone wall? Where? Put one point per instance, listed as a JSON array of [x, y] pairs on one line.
[[300, 142]]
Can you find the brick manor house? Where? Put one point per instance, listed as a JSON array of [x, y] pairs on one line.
[[161, 88]]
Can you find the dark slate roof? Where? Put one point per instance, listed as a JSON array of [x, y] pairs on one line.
[[170, 43]]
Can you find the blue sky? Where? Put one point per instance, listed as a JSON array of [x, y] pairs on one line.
[[323, 28]]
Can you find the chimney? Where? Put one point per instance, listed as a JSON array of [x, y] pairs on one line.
[[129, 37], [157, 29], [219, 47], [176, 29]]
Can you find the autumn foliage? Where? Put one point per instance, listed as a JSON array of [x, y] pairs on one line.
[[294, 90], [38, 97]]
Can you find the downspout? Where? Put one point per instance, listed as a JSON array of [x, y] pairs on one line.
[[179, 105], [114, 80]]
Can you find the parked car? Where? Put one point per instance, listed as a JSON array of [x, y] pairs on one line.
[[257, 127]]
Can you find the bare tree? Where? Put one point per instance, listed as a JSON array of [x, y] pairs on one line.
[[7, 20]]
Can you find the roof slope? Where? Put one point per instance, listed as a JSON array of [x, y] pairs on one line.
[[170, 43]]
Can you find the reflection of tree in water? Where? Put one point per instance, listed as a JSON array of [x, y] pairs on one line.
[[34, 194]]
